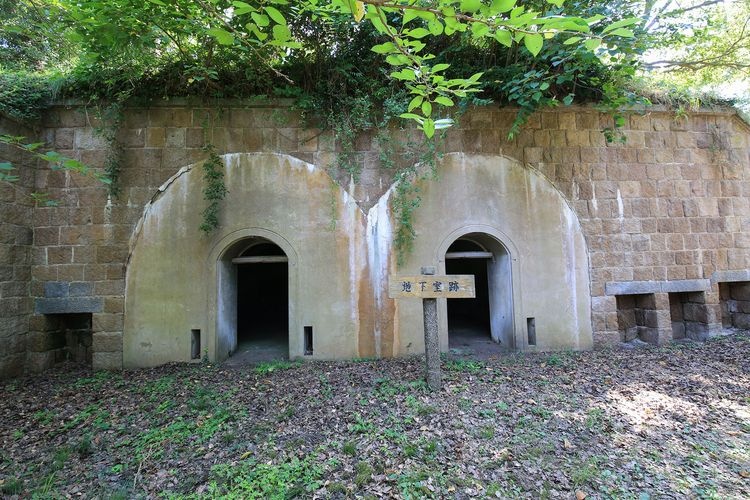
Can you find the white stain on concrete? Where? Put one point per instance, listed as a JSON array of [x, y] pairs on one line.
[[571, 273], [378, 242]]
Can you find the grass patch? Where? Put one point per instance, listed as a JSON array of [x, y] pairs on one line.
[[275, 481], [267, 367], [463, 365]]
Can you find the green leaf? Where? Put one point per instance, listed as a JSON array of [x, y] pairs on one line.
[[260, 35], [445, 101], [241, 8], [6, 166], [621, 24], [503, 36], [623, 32], [260, 19], [51, 156], [440, 67], [378, 25], [426, 108], [409, 14], [533, 42], [281, 33], [222, 36], [274, 14], [572, 40], [470, 5], [556, 3], [384, 48], [417, 33], [501, 6], [479, 29], [397, 59], [429, 128], [568, 99], [415, 102], [435, 27], [411, 116], [405, 74], [592, 43]]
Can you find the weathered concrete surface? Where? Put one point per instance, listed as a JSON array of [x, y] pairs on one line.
[[498, 197], [174, 280]]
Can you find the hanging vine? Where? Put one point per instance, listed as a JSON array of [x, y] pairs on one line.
[[109, 118], [214, 190]]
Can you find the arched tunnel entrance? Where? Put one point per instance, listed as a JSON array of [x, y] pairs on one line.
[[262, 301], [254, 302], [487, 318]]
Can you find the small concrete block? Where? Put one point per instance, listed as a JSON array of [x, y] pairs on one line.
[[741, 320], [81, 289], [55, 289], [699, 285], [37, 362], [12, 366], [650, 335], [641, 287], [678, 330], [69, 305], [107, 342], [107, 361], [730, 276], [631, 287], [696, 331]]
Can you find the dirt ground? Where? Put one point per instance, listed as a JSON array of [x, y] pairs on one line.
[[671, 422]]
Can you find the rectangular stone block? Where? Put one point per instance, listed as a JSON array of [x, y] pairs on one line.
[[697, 285], [632, 287], [81, 289], [44, 341], [37, 362], [107, 322], [696, 331], [730, 276], [107, 342], [56, 289], [12, 365], [69, 305]]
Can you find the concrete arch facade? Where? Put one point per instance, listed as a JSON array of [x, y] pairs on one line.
[[521, 210], [177, 277]]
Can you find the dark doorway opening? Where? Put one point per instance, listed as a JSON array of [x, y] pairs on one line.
[[262, 303], [469, 319]]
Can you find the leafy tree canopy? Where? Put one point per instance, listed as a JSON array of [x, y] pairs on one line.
[[416, 58]]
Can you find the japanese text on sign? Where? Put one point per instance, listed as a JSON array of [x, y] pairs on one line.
[[432, 287]]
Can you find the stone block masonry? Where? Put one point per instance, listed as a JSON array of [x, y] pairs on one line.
[[661, 213], [16, 238]]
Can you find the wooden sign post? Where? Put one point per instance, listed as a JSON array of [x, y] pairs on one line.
[[429, 288]]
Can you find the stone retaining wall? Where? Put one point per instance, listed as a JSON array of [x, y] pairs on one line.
[[670, 205], [15, 257]]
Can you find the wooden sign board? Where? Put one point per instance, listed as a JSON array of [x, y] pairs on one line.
[[457, 286]]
